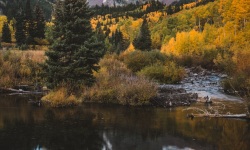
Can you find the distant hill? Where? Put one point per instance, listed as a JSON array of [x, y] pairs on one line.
[[123, 2]]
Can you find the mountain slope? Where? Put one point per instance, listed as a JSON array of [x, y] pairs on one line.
[[123, 2]]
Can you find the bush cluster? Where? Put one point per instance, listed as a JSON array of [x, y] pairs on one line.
[[154, 65], [137, 60], [116, 84], [169, 73]]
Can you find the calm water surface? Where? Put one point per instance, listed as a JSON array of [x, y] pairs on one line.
[[101, 127]]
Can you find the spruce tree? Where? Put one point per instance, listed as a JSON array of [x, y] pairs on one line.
[[6, 35], [29, 24], [39, 23], [143, 40], [119, 44], [75, 51], [20, 27]]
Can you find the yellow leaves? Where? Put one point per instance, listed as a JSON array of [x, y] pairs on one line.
[[185, 43], [136, 24], [112, 28], [93, 22], [3, 19], [49, 24], [130, 49], [190, 5], [169, 48], [155, 16], [144, 7], [241, 58]]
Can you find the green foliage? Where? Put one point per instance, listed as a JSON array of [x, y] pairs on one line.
[[6, 35], [143, 40], [137, 60], [116, 84], [169, 73], [75, 51]]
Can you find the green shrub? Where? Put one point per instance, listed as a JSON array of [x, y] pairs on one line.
[[116, 84], [169, 73], [137, 60]]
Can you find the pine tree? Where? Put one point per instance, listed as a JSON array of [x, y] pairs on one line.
[[143, 40], [6, 35], [75, 51], [119, 44], [29, 24], [39, 23], [20, 26]]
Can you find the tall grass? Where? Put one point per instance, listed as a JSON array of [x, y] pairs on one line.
[[20, 67]]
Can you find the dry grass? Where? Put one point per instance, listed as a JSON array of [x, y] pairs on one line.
[[19, 67], [60, 98]]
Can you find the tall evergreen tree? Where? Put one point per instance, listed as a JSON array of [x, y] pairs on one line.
[[6, 35], [39, 22], [20, 26], [143, 40], [119, 44], [29, 24], [75, 51]]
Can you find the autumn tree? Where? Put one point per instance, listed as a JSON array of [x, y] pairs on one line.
[[143, 39], [75, 51]]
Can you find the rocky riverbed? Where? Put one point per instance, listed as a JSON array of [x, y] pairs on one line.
[[197, 84]]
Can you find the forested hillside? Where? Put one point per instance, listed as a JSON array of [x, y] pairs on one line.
[[213, 34]]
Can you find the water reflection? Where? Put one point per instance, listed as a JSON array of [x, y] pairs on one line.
[[175, 148], [99, 127]]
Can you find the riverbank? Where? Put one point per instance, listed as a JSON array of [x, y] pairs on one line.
[[115, 82]]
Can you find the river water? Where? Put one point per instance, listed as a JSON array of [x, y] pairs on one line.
[[111, 127]]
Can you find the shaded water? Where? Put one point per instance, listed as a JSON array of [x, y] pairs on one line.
[[105, 127]]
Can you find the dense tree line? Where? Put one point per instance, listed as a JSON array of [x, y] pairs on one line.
[[30, 25], [10, 8]]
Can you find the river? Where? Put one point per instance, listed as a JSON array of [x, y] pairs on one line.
[[112, 127]]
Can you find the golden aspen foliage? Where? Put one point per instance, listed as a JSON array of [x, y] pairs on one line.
[[3, 19]]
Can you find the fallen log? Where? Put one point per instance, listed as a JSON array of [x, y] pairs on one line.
[[12, 91], [242, 116]]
